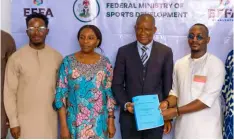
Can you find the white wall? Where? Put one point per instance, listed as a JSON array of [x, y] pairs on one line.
[[6, 15]]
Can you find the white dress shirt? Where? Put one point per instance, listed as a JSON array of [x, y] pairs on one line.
[[200, 79]]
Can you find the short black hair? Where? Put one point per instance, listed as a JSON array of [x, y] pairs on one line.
[[203, 25], [96, 31], [37, 15], [146, 15]]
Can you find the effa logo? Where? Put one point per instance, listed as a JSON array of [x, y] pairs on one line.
[[38, 2], [86, 10], [224, 12], [45, 11]]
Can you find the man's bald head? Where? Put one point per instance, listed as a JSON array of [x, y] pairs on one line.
[[145, 17]]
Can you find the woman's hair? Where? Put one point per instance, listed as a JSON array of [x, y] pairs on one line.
[[95, 30]]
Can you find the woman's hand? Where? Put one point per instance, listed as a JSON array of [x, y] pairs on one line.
[[111, 127], [65, 134]]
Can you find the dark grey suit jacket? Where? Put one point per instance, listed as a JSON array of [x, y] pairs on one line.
[[128, 80]]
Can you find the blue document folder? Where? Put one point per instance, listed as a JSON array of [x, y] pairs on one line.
[[147, 112]]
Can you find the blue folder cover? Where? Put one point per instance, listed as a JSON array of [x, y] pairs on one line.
[[147, 112]]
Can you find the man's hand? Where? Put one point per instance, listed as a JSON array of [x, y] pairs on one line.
[[15, 132], [130, 108], [111, 127], [169, 113], [167, 127], [163, 105]]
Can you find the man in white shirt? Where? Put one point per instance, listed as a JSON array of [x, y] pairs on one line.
[[194, 98]]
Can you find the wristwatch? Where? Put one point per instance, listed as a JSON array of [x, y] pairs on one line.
[[111, 116], [125, 106]]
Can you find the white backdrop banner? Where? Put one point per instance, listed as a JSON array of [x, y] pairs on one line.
[[116, 20]]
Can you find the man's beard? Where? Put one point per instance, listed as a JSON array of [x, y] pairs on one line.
[[195, 51], [37, 44]]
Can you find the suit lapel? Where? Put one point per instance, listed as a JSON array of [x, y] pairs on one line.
[[137, 61]]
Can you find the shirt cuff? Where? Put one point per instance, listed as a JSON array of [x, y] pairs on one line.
[[173, 93], [13, 123]]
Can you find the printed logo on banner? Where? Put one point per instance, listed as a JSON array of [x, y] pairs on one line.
[[38, 2], [45, 11], [86, 10], [226, 2], [223, 13]]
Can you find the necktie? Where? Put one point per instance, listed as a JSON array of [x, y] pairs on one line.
[[144, 55]]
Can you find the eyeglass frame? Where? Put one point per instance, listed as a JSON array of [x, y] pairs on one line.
[[39, 29], [192, 36]]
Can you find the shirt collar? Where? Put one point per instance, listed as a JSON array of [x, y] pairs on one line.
[[35, 50], [149, 46], [198, 59]]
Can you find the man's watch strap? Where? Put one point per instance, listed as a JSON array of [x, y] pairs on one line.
[[125, 106]]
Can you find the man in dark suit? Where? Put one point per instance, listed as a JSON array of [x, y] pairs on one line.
[[142, 67]]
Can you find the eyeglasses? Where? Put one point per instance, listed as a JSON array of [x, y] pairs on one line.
[[41, 29], [192, 36]]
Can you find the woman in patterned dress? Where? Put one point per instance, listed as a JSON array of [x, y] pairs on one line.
[[227, 92], [83, 97]]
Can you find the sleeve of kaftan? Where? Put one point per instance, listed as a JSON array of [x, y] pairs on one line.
[[61, 85], [111, 103], [213, 86], [10, 92]]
